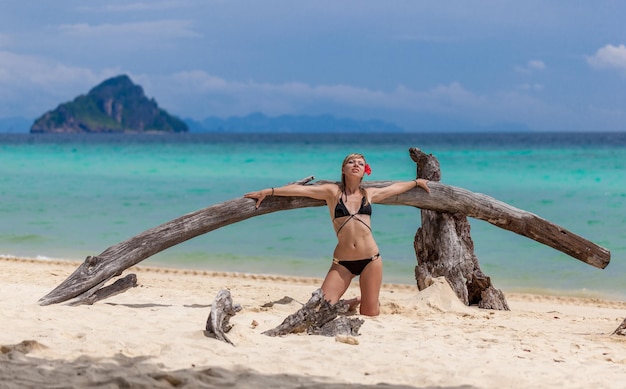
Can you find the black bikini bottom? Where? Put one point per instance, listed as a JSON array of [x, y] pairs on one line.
[[357, 266]]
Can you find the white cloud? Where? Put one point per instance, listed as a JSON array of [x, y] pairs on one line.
[[202, 94], [530, 66], [453, 93], [136, 6], [531, 87], [198, 94], [160, 29], [609, 57], [35, 71], [29, 85], [34, 85]]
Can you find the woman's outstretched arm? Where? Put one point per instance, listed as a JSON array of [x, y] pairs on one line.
[[318, 192], [379, 194]]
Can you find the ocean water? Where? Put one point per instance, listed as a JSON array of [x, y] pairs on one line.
[[69, 196]]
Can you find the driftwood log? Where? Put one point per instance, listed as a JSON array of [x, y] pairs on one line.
[[96, 270], [444, 247], [218, 322], [319, 317]]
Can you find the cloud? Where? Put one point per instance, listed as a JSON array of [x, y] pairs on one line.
[[453, 93], [202, 94], [609, 57], [17, 69], [152, 29], [531, 66], [531, 87], [198, 94], [30, 85], [136, 6]]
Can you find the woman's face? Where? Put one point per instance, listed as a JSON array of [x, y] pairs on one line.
[[354, 166]]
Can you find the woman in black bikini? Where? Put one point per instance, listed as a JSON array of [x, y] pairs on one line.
[[350, 205]]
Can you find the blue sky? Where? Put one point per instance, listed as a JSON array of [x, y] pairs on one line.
[[547, 65]]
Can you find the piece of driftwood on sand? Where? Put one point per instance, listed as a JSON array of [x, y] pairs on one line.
[[319, 317], [95, 271], [218, 322]]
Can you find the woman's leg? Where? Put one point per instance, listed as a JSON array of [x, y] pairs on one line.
[[370, 281], [336, 283]]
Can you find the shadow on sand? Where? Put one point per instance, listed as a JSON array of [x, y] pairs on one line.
[[18, 370]]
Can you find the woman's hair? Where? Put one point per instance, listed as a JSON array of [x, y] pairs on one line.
[[343, 177]]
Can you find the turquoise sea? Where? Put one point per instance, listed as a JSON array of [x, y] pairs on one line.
[[69, 196]]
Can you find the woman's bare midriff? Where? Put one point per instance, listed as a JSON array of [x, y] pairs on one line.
[[355, 240]]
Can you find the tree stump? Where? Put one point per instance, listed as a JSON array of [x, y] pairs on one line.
[[443, 247]]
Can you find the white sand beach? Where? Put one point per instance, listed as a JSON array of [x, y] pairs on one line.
[[153, 336]]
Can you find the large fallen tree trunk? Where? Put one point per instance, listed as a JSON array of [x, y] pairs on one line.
[[95, 271]]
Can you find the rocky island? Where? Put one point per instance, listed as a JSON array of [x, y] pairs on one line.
[[117, 105]]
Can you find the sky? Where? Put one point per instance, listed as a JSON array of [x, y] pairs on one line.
[[544, 65]]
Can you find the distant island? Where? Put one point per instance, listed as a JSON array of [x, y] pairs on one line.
[[115, 106]]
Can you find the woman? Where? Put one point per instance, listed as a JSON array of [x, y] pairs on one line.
[[350, 205]]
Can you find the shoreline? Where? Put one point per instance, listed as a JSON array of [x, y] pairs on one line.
[[583, 295], [153, 336]]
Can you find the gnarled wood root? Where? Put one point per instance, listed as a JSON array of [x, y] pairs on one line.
[[119, 286], [492, 298], [621, 330], [319, 317], [222, 309]]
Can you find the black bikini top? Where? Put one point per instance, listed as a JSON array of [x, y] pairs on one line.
[[341, 211]]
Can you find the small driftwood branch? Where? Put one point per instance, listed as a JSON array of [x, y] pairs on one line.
[[218, 322], [119, 286], [621, 330], [442, 198], [319, 317]]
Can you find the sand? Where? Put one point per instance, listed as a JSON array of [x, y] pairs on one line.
[[153, 336]]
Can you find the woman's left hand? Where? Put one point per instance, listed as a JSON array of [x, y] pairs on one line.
[[422, 183]]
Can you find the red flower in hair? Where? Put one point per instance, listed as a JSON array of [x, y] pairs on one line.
[[368, 169]]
